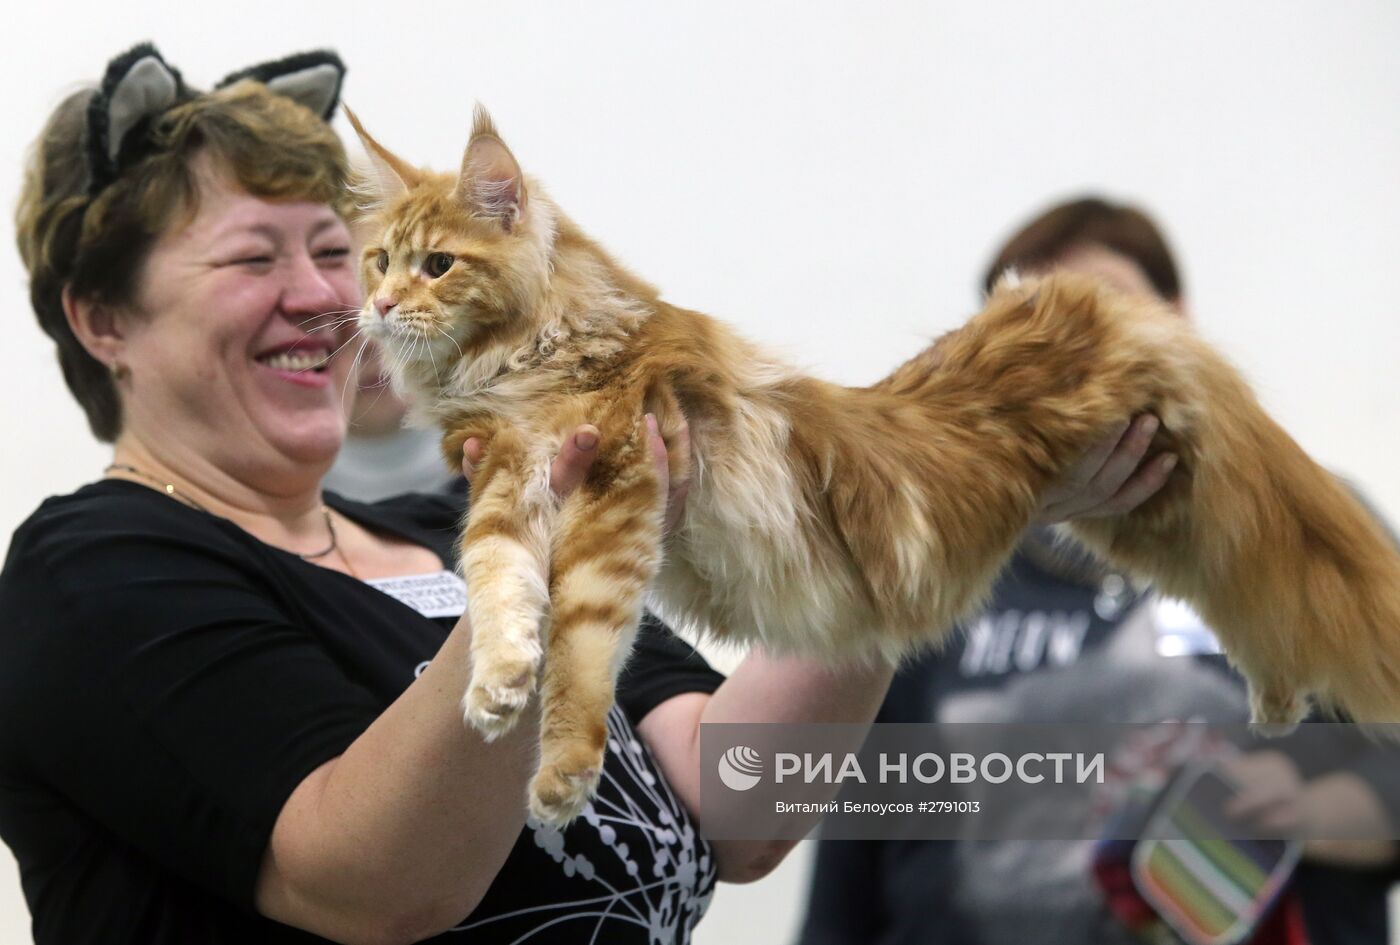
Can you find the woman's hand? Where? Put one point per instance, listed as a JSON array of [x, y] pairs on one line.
[[1270, 791], [571, 466], [1111, 478], [1339, 816]]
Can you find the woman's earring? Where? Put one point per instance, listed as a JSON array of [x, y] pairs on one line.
[[120, 372]]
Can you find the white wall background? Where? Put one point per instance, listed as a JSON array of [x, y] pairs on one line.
[[832, 177]]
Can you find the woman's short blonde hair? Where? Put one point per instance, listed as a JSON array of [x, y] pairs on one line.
[[95, 244]]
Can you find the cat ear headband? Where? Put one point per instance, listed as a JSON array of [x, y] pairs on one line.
[[311, 78], [139, 86]]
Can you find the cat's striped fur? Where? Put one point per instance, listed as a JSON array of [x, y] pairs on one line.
[[822, 519]]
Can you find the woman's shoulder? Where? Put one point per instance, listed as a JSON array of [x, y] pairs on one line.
[[105, 505], [109, 519], [108, 505]]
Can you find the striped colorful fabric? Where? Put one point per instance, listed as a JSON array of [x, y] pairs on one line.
[[1208, 886]]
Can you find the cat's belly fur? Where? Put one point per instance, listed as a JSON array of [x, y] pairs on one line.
[[753, 561]]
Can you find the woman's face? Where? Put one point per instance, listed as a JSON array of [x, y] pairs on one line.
[[234, 352]]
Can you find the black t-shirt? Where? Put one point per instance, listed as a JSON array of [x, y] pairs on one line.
[[167, 680]]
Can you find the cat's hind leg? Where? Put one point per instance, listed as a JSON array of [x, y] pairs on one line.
[[505, 564], [606, 552]]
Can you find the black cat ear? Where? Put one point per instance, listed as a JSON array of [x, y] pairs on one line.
[[137, 86], [312, 78]]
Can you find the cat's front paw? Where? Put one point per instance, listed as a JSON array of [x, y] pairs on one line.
[[497, 695], [562, 787], [1274, 713]]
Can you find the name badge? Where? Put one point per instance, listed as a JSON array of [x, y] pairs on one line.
[[440, 594]]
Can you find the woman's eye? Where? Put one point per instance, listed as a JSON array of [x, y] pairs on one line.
[[334, 253], [437, 264], [253, 261], [382, 262]]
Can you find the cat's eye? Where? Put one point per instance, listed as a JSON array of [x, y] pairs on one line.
[[437, 264], [382, 262]]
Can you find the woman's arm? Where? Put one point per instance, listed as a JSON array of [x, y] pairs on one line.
[[400, 836], [763, 689], [1340, 815], [1348, 822]]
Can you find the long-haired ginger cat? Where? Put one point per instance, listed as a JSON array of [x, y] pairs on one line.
[[823, 519]]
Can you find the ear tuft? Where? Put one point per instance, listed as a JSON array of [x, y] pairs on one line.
[[391, 174], [482, 123], [491, 184]]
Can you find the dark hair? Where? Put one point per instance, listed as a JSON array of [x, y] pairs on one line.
[[96, 245], [1091, 221]]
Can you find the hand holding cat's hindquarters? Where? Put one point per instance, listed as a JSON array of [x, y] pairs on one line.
[[1112, 478], [571, 466], [676, 489]]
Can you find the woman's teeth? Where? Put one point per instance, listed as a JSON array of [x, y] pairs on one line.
[[296, 360]]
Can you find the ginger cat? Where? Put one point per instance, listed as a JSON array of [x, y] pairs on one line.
[[821, 519]]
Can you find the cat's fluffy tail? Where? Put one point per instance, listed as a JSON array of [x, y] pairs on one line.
[[1299, 581]]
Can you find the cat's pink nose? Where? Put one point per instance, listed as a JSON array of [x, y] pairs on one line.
[[383, 304]]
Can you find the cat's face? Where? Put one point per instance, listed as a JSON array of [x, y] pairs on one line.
[[436, 278], [453, 265]]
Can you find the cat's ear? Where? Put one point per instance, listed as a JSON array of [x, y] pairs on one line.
[[312, 79], [137, 86], [491, 183], [392, 174]]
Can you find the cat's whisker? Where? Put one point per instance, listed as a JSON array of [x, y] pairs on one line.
[[352, 383], [359, 332], [338, 317], [337, 323], [449, 337], [380, 388], [427, 346], [417, 340]]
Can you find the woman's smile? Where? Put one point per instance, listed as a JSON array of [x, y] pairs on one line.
[[304, 365]]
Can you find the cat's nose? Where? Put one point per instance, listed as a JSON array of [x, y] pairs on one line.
[[383, 304]]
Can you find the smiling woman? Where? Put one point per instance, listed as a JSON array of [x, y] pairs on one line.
[[237, 727], [230, 701]]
